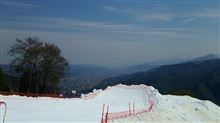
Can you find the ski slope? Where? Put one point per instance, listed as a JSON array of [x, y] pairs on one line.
[[88, 108], [179, 109]]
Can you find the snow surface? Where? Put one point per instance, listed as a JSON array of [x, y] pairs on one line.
[[178, 109], [88, 108]]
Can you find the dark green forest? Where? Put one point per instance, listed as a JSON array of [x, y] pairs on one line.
[[200, 79]]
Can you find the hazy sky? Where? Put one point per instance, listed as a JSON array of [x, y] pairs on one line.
[[117, 32]]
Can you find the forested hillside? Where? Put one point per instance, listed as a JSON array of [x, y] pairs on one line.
[[199, 79]]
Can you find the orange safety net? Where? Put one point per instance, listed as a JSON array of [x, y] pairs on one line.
[[116, 115]]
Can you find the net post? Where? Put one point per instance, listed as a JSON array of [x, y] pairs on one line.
[[103, 109], [106, 116]]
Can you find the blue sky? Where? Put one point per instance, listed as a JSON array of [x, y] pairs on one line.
[[121, 32]]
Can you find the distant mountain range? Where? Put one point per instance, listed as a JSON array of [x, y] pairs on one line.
[[80, 77], [206, 57], [84, 78], [198, 78]]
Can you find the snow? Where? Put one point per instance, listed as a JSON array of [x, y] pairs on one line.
[[179, 109], [88, 108]]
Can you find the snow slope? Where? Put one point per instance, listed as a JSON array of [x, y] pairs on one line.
[[88, 107], [179, 109]]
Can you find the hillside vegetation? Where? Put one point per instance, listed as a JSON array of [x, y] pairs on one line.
[[200, 79]]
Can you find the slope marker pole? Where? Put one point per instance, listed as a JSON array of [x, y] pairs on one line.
[[3, 103], [103, 109], [106, 116], [130, 109]]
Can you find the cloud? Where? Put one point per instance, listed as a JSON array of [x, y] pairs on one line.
[[100, 29], [155, 16], [140, 15], [89, 24], [160, 34], [186, 17], [203, 14], [208, 13], [110, 8], [65, 23], [18, 4]]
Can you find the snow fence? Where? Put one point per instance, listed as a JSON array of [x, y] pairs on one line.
[[132, 111]]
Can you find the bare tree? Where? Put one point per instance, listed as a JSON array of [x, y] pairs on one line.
[[39, 64]]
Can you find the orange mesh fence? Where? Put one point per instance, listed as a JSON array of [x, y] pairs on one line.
[[131, 112], [112, 116], [124, 114]]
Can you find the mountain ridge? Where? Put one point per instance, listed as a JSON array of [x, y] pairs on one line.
[[199, 79]]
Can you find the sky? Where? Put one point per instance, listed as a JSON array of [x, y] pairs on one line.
[[114, 32]]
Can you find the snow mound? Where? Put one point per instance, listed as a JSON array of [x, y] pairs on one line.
[[118, 97], [88, 108]]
